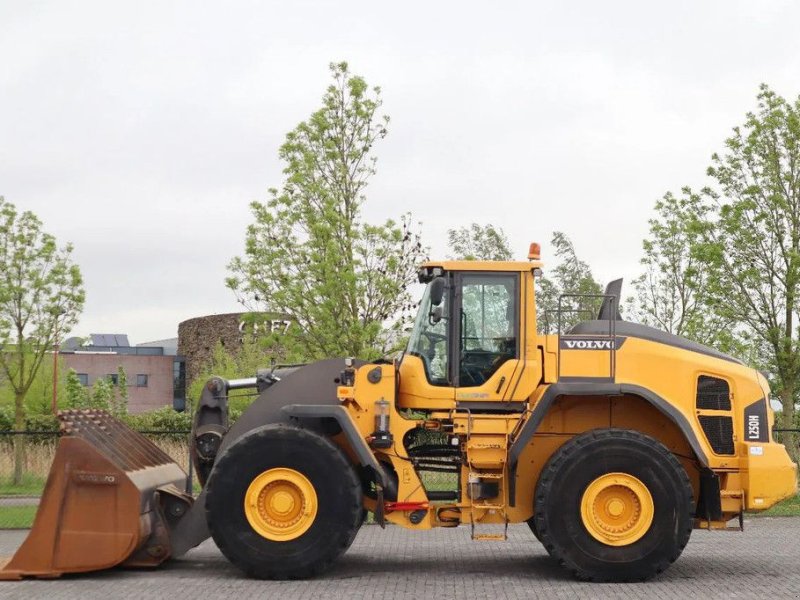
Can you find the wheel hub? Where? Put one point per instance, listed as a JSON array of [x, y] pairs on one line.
[[617, 509], [280, 504]]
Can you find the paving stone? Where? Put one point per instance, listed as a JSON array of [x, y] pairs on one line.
[[764, 561]]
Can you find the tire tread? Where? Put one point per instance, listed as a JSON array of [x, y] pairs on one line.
[[220, 481], [549, 476]]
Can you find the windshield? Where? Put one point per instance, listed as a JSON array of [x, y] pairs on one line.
[[429, 339]]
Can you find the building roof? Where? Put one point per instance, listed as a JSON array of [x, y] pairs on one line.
[[109, 340], [170, 345], [117, 343]]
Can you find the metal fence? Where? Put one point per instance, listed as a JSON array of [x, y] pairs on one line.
[[19, 499], [783, 436], [19, 496]]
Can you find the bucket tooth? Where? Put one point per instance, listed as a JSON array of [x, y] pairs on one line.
[[109, 500]]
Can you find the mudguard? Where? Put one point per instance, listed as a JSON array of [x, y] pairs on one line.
[[313, 384]]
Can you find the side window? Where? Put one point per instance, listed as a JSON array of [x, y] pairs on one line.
[[429, 340], [489, 327]]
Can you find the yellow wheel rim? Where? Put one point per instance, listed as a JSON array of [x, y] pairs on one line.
[[617, 509], [280, 504]]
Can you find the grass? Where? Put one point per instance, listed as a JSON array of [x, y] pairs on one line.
[[32, 485], [39, 457], [16, 517]]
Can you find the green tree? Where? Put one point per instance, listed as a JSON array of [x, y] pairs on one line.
[[75, 392], [229, 365], [39, 399], [309, 254], [570, 276], [41, 297], [102, 395], [479, 242], [751, 239], [673, 292], [119, 403]]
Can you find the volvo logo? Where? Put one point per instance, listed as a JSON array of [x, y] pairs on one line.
[[94, 478], [575, 343]]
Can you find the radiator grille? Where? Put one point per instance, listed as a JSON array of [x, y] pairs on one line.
[[719, 432], [713, 393]]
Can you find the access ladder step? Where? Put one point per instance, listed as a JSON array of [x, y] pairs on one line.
[[487, 475], [490, 537], [489, 506]]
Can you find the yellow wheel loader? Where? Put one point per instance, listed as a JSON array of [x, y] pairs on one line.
[[610, 439]]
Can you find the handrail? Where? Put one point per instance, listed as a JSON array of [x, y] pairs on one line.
[[612, 329]]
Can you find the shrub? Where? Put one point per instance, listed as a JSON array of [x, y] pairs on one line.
[[6, 418], [161, 419], [41, 422]]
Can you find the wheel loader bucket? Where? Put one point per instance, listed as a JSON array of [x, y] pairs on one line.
[[110, 499]]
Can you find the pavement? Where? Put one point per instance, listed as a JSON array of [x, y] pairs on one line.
[[764, 561], [19, 501]]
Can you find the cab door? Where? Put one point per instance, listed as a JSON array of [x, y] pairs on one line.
[[426, 368], [487, 342]]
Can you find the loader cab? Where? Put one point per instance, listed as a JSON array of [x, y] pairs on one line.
[[469, 345]]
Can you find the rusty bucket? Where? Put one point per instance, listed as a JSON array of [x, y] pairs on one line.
[[110, 499]]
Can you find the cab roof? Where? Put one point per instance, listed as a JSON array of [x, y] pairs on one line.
[[483, 265]]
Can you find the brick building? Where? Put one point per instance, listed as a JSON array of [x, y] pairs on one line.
[[158, 372], [154, 372]]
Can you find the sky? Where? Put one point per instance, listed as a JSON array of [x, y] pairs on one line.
[[141, 131]]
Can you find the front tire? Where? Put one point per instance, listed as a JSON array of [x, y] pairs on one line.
[[283, 503], [614, 505]]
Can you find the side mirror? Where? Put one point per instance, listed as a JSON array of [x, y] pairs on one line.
[[435, 315], [437, 291]]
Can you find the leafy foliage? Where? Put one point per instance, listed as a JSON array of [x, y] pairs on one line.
[[571, 276], [162, 419], [76, 396], [41, 295], [39, 398], [119, 401], [751, 238], [33, 422], [673, 294], [309, 255], [244, 363], [723, 265], [102, 394], [479, 242]]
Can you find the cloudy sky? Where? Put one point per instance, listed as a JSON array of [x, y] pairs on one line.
[[140, 131]]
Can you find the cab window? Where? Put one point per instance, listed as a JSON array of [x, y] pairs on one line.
[[429, 339], [488, 327]]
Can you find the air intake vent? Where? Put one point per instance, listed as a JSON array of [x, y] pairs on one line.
[[719, 432], [713, 393]]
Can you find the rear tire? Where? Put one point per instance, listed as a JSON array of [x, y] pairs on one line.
[[657, 522], [314, 462]]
